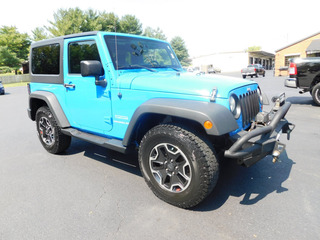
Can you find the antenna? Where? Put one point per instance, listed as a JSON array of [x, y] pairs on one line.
[[116, 44], [117, 65]]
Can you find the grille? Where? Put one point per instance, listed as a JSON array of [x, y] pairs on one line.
[[250, 107]]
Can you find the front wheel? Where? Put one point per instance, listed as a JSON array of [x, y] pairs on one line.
[[316, 94], [50, 135], [178, 166]]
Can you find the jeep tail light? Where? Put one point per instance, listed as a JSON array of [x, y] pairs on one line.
[[293, 69]]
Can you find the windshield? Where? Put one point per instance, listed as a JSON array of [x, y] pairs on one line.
[[133, 53]]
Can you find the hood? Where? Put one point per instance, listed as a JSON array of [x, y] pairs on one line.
[[182, 83]]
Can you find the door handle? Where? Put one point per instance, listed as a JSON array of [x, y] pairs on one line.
[[69, 85]]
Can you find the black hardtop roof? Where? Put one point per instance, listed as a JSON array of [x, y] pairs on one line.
[[61, 38]]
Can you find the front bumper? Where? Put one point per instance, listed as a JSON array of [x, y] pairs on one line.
[[250, 147]]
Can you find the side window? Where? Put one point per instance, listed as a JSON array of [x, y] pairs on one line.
[[46, 60], [79, 51]]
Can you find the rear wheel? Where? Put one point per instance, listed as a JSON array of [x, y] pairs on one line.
[[50, 135], [178, 166], [316, 94]]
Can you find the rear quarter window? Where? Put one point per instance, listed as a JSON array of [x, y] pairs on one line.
[[46, 59]]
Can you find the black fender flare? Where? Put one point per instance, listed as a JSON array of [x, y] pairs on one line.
[[52, 102], [199, 111]]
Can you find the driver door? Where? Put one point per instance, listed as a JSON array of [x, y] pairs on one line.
[[88, 106]]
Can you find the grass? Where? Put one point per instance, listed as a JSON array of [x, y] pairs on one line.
[[6, 85]]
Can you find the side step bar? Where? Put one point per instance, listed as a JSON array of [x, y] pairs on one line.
[[113, 144]]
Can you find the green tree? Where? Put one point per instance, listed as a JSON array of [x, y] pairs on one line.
[[130, 24], [16, 42], [9, 59], [39, 33], [14, 47], [109, 22], [254, 48], [68, 21], [154, 33], [181, 50], [74, 20], [90, 21]]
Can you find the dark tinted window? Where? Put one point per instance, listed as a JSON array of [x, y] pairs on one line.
[[79, 51], [46, 59]]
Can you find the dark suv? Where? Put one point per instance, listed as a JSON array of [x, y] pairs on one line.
[[2, 91]]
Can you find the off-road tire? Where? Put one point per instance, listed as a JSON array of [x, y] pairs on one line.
[[196, 179], [49, 133], [316, 94]]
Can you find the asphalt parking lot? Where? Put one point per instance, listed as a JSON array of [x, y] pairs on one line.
[[91, 193]]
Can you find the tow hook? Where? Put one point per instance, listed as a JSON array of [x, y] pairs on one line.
[[288, 128], [280, 147]]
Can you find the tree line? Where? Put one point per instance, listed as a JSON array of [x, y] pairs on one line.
[[14, 46]]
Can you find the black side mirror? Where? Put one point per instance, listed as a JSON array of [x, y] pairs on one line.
[[93, 68]]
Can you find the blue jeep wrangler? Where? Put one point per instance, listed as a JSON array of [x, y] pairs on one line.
[[126, 92]]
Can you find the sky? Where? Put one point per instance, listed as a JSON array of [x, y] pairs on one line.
[[207, 26]]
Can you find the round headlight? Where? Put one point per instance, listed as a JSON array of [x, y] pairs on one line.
[[235, 107], [260, 96], [232, 103]]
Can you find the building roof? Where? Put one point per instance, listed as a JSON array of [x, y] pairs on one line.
[[314, 46], [259, 52], [298, 41], [263, 54]]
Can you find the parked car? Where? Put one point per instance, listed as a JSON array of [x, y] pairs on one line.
[[304, 73], [253, 70], [129, 93], [214, 70], [2, 91]]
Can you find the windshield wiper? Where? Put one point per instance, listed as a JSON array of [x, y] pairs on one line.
[[176, 69], [173, 68], [141, 66]]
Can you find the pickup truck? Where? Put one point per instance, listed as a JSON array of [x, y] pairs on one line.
[[253, 70], [304, 73], [130, 93]]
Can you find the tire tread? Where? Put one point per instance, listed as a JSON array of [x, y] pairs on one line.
[[210, 167]]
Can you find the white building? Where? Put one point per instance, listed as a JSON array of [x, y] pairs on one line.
[[233, 61]]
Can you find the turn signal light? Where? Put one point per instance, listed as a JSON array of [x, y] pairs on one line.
[[208, 125]]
